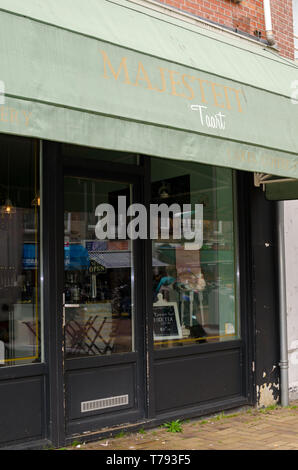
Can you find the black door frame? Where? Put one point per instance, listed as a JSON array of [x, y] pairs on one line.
[[53, 265], [246, 225], [96, 169], [55, 167], [53, 173]]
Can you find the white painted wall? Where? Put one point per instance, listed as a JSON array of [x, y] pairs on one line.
[[291, 246]]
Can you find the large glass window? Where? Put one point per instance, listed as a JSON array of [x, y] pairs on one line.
[[194, 286], [19, 252], [98, 273]]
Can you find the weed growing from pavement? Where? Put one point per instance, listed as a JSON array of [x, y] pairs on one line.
[[267, 409], [224, 416], [75, 443], [272, 407], [173, 426]]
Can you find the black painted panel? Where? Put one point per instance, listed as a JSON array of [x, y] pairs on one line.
[[196, 379], [265, 291], [102, 382], [21, 409]]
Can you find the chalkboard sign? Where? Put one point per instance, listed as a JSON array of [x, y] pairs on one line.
[[166, 323]]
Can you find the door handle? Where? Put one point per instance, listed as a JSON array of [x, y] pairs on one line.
[[67, 306]]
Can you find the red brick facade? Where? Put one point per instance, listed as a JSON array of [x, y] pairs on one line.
[[247, 17], [282, 23]]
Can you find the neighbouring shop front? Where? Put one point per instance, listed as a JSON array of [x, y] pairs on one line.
[[100, 333]]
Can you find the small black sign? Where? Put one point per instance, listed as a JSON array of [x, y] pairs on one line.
[[96, 268], [166, 323]]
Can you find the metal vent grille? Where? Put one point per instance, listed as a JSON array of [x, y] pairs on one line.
[[104, 403]]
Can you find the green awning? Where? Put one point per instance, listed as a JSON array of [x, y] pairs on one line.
[[116, 75], [282, 191]]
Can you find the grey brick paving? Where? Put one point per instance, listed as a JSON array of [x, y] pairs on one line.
[[267, 429]]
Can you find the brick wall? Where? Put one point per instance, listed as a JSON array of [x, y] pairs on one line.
[[247, 17], [282, 23]]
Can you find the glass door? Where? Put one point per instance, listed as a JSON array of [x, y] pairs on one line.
[[98, 273], [102, 359]]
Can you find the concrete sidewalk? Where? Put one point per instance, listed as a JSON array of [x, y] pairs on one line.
[[264, 429]]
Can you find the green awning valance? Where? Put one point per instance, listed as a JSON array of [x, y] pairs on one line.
[[116, 75], [282, 191]]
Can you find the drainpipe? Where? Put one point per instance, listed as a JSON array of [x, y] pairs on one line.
[[268, 23], [284, 364]]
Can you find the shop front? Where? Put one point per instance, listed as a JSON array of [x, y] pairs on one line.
[[112, 321]]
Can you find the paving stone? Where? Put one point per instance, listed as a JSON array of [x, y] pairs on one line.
[[275, 429]]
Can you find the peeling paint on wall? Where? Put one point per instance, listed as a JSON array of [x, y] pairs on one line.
[[267, 394], [293, 391], [268, 391]]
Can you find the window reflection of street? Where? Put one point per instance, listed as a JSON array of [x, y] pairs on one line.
[[19, 252], [98, 275], [201, 283]]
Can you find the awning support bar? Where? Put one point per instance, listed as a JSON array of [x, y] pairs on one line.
[[261, 179]]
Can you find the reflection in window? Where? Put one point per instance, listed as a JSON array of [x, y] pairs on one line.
[[98, 274], [194, 290], [19, 252]]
